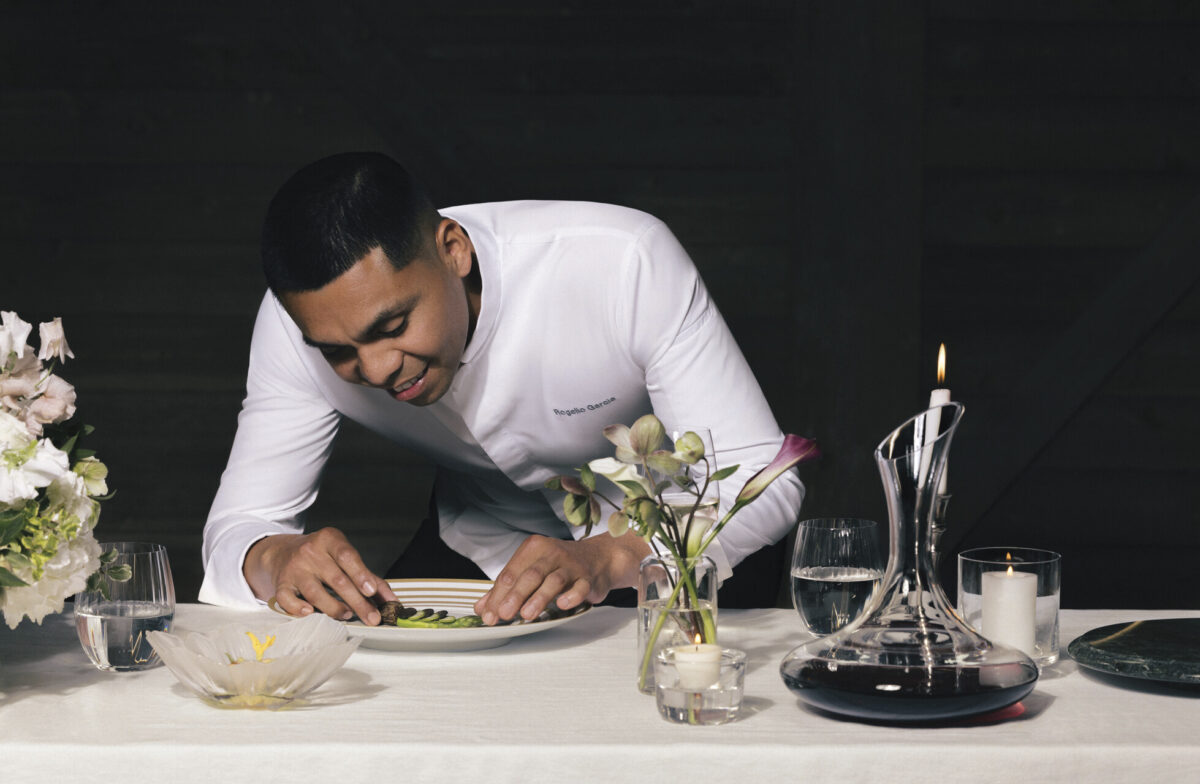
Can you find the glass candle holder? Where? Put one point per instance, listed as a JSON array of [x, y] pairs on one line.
[[684, 693], [1010, 595]]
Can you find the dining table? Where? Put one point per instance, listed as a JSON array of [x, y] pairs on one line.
[[561, 705]]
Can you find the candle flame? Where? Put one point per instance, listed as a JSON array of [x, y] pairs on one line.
[[1008, 556], [941, 364], [1010, 571], [698, 639]]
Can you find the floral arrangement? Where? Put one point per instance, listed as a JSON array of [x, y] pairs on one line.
[[644, 471], [50, 488], [667, 503]]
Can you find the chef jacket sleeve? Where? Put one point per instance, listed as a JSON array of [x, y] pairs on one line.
[[284, 436], [696, 375]]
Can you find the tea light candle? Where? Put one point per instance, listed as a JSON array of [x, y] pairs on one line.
[[699, 666], [1010, 608]]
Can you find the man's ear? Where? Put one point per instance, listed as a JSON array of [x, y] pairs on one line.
[[454, 247]]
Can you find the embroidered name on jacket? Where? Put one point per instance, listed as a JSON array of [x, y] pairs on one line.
[[590, 407]]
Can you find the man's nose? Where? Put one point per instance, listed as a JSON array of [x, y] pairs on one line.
[[378, 366]]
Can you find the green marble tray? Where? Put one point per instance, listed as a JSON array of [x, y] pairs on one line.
[[1165, 650]]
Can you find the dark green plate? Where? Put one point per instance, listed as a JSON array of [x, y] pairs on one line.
[[1165, 650]]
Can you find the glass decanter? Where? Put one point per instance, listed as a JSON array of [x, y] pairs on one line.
[[909, 657]]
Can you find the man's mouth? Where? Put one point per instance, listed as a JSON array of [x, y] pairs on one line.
[[411, 388]]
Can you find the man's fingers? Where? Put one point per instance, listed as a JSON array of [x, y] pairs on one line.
[[576, 595], [550, 586], [383, 590], [351, 597], [355, 583], [287, 597], [310, 566], [315, 592]]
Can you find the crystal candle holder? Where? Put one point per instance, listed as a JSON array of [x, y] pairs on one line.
[[257, 666], [683, 700]]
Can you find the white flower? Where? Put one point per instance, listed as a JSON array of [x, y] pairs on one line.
[[13, 434], [56, 403], [68, 496], [699, 526], [20, 383], [24, 469], [616, 471], [65, 574], [13, 334], [54, 341]]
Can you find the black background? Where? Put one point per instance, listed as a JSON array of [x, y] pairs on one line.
[[856, 181]]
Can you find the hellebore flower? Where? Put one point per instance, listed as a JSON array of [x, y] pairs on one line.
[[689, 448]]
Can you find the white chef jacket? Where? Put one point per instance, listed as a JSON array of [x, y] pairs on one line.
[[591, 314]]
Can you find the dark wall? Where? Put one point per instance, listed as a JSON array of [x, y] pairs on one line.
[[856, 182]]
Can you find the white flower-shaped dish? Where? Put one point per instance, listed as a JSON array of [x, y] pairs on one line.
[[223, 667]]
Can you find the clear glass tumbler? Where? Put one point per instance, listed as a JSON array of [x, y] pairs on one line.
[[836, 567], [113, 621]]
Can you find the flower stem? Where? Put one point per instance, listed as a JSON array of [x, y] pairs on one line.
[[700, 618]]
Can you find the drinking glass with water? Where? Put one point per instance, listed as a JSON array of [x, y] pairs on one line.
[[112, 621], [836, 566]]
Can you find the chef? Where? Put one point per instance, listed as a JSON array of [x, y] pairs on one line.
[[497, 340]]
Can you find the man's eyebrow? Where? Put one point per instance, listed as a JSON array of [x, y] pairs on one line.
[[395, 310]]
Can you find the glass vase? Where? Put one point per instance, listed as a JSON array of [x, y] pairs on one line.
[[909, 657], [677, 605]]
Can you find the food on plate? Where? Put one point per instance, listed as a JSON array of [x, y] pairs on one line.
[[394, 613]]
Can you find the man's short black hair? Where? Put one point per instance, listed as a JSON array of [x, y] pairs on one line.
[[333, 212]]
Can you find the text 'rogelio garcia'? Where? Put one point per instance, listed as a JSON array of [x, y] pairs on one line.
[[590, 407]]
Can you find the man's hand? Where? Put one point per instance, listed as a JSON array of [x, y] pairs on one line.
[[574, 572], [296, 568]]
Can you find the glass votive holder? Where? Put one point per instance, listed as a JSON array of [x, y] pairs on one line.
[[687, 692], [1010, 595]]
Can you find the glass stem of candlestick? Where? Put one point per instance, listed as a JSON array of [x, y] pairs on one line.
[[938, 526]]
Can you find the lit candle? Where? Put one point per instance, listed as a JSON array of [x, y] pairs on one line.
[[939, 397], [699, 665], [1010, 608]]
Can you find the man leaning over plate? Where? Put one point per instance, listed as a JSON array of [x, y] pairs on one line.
[[497, 340]]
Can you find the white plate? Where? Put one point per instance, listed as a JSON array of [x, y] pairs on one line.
[[456, 597]]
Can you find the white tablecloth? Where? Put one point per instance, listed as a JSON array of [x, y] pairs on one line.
[[557, 706]]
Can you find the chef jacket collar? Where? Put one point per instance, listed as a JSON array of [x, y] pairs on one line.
[[487, 257]]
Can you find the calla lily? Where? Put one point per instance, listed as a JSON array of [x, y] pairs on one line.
[[700, 524], [619, 473], [54, 341], [795, 450]]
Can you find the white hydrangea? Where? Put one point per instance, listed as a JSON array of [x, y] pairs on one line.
[[69, 499], [66, 574]]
